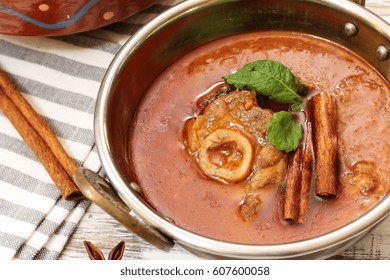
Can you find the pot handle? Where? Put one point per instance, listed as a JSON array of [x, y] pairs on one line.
[[100, 192], [360, 2]]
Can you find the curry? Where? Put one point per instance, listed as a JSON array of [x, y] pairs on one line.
[[215, 190]]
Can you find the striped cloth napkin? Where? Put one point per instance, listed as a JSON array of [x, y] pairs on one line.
[[60, 77]]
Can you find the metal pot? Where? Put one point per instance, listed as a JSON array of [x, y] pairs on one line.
[[53, 18], [174, 33]]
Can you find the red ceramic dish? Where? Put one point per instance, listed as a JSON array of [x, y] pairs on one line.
[[52, 17]]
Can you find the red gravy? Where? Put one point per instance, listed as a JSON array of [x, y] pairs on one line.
[[173, 185]]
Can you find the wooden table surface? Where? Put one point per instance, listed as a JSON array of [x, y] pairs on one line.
[[105, 232]]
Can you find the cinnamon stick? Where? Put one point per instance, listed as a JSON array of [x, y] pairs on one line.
[[299, 173], [25, 124], [38, 124], [325, 145], [293, 187], [307, 161]]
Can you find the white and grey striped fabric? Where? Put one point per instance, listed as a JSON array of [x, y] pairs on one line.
[[60, 77]]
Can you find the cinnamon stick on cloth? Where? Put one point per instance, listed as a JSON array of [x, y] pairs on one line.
[[325, 145], [38, 124], [40, 138]]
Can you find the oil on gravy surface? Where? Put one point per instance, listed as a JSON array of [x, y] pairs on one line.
[[173, 186]]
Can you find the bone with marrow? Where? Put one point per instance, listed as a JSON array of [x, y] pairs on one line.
[[230, 144]]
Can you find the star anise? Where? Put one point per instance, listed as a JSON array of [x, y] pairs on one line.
[[94, 252]]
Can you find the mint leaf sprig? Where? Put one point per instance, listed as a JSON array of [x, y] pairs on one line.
[[284, 132], [271, 79], [275, 81]]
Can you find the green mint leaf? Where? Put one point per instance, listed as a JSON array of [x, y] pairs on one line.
[[283, 131], [269, 78], [298, 106]]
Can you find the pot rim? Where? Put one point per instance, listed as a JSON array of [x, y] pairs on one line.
[[296, 249]]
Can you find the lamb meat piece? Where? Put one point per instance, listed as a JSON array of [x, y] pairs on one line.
[[234, 121], [249, 207], [222, 91], [365, 177]]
